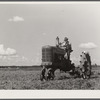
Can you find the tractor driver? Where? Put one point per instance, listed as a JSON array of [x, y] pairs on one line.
[[67, 47]]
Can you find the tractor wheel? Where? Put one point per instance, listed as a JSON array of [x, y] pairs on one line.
[[42, 75], [50, 74]]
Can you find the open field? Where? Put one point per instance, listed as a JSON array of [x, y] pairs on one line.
[[29, 79]]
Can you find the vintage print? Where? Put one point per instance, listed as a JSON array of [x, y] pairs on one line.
[[50, 45]]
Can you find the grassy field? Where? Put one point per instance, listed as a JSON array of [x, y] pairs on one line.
[[29, 79]]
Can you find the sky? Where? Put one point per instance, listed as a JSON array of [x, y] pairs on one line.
[[25, 28]]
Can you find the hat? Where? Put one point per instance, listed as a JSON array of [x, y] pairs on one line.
[[65, 39]]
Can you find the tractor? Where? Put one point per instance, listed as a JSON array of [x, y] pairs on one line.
[[58, 57], [53, 59]]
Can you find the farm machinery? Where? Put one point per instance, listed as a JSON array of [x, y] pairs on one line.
[[53, 58]]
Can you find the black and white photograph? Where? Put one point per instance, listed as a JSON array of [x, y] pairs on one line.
[[50, 46]]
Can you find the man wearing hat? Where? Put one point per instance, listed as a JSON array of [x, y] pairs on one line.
[[67, 47]]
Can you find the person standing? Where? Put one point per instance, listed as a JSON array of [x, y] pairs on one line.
[[67, 47]]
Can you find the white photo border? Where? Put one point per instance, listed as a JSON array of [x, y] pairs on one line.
[[49, 94]]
